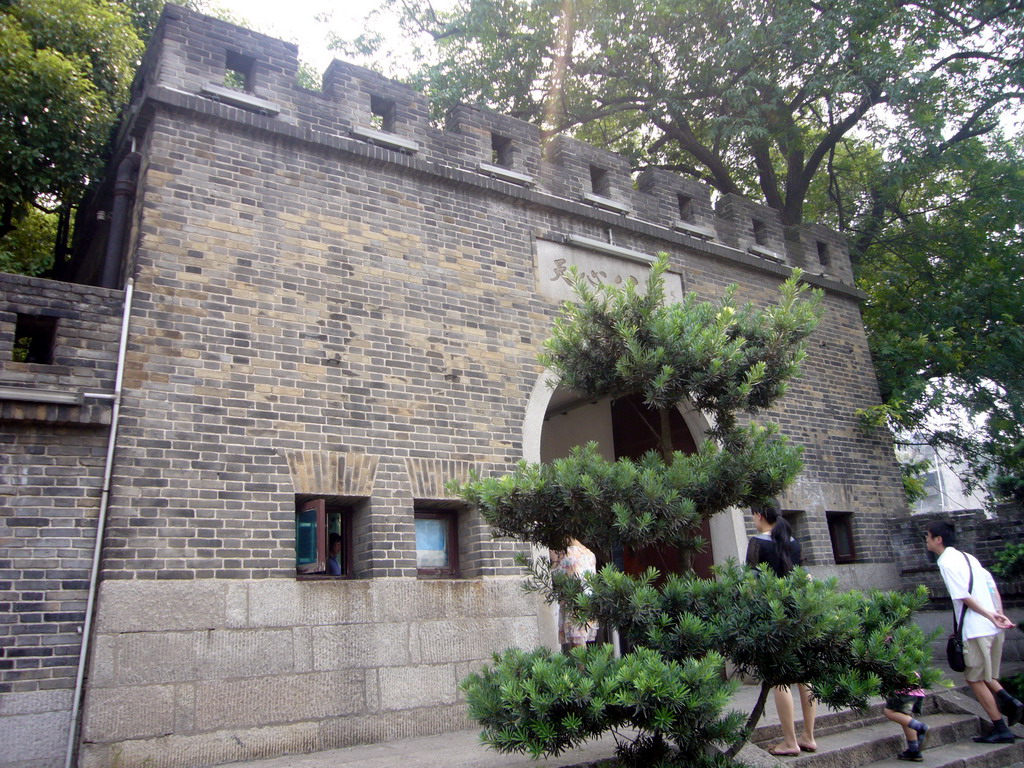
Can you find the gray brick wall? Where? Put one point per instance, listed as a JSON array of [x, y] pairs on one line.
[[51, 465], [316, 315], [978, 533]]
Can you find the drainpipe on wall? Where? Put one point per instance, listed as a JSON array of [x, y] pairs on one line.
[[124, 194], [101, 524]]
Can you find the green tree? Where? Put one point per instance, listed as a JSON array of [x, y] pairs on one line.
[[541, 703], [28, 248], [730, 362], [727, 360], [846, 646], [748, 96], [145, 14], [65, 69], [944, 317]]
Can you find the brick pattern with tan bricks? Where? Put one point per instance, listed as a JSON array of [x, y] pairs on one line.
[[315, 314], [51, 469]]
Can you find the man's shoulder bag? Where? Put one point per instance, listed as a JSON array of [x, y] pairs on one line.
[[955, 643]]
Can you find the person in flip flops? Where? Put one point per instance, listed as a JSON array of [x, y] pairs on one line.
[[774, 544]]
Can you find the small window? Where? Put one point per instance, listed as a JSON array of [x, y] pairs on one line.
[[34, 337], [840, 531], [823, 255], [933, 490], [323, 539], [501, 150], [238, 71], [382, 114], [599, 183], [437, 544], [685, 207], [760, 232]]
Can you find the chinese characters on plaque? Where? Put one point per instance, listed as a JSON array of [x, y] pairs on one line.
[[595, 277], [555, 259]]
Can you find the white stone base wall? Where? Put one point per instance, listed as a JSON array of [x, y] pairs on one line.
[[193, 673], [34, 728], [861, 576]]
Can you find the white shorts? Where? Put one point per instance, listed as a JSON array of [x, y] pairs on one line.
[[982, 655]]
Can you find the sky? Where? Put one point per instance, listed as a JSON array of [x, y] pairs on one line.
[[296, 20]]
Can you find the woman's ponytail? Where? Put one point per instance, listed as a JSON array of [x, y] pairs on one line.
[[782, 534]]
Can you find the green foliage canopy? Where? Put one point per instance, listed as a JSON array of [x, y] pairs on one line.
[[848, 647], [543, 704], [730, 362], [1010, 562], [781, 630], [625, 503], [945, 321], [28, 248], [724, 359], [65, 69]]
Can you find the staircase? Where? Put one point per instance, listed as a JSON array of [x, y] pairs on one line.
[[869, 740]]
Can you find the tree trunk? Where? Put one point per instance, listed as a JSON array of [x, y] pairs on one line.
[[752, 721], [7, 219], [555, 99], [870, 226]]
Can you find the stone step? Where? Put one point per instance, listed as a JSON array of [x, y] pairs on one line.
[[828, 722], [964, 754], [824, 724], [860, 744]]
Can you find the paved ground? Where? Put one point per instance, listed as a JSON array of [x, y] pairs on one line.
[[462, 749]]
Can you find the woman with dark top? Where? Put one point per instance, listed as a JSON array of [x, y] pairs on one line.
[[774, 544]]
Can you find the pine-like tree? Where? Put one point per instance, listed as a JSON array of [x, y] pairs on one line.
[[728, 361], [732, 363]]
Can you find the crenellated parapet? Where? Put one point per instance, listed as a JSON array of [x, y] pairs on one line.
[[685, 202], [58, 351], [250, 78], [750, 227], [591, 175], [502, 146]]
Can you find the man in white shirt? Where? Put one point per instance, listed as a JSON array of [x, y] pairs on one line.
[[983, 626]]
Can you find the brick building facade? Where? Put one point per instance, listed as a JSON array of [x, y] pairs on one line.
[[335, 306]]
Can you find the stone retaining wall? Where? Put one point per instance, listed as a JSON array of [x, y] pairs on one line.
[[213, 671]]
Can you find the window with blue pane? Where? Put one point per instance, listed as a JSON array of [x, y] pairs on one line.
[[437, 548]]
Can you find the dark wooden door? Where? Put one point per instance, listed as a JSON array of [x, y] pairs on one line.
[[636, 429]]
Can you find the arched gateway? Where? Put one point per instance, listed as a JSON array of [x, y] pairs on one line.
[[558, 419]]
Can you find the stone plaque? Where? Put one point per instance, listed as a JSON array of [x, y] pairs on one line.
[[555, 259]]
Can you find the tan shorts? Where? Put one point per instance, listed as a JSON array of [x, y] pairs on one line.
[[982, 655]]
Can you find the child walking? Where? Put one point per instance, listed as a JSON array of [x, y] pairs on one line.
[[904, 708]]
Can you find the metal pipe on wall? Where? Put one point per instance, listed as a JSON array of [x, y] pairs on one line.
[[124, 194], [101, 524]]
